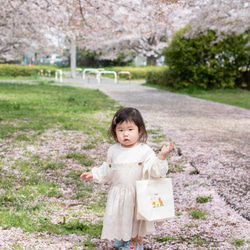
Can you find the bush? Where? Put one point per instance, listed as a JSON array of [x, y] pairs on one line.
[[205, 61], [12, 70], [158, 76], [136, 72], [244, 80]]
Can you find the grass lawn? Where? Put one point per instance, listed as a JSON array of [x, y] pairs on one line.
[[52, 129], [38, 107], [235, 97]]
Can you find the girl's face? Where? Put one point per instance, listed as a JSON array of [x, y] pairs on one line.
[[127, 134]]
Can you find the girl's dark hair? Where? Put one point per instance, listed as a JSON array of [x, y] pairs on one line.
[[125, 115]]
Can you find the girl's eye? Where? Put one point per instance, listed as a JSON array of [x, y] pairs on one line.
[[130, 129]]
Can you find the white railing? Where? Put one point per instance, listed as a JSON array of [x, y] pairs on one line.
[[90, 71], [79, 70], [41, 72], [60, 72], [106, 72], [124, 72], [48, 73]]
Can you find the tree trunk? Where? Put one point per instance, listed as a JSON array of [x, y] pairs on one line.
[[151, 60], [73, 58]]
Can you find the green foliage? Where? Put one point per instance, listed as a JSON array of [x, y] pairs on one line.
[[158, 76], [205, 61], [136, 72], [12, 70], [88, 58]]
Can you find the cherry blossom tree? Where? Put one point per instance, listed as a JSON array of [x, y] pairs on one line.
[[91, 24], [224, 16], [109, 27], [150, 36]]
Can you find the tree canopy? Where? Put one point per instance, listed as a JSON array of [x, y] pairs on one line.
[[111, 26]]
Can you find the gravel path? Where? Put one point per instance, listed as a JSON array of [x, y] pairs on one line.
[[214, 137]]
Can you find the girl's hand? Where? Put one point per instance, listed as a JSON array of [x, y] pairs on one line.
[[86, 176], [165, 150]]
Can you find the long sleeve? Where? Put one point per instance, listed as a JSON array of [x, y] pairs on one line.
[[102, 174], [154, 167]]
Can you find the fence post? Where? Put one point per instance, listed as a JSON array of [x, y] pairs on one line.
[[59, 71], [125, 72]]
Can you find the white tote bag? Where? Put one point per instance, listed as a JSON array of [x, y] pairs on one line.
[[155, 201]]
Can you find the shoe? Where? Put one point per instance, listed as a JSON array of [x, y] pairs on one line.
[[131, 245], [119, 243]]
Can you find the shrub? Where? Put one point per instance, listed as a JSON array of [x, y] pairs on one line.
[[205, 61], [158, 76], [12, 70], [136, 72]]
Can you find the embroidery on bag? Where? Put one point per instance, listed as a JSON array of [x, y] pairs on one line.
[[157, 201]]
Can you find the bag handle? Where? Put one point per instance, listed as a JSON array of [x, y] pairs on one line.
[[146, 172]]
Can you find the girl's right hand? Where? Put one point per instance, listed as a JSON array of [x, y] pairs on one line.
[[86, 176], [165, 150]]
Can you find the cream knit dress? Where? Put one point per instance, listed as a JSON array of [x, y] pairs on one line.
[[123, 168]]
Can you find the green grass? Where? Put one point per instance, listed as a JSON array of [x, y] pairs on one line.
[[25, 108], [81, 158], [198, 214], [205, 199], [31, 223], [164, 239], [175, 168], [197, 241], [235, 97], [30, 182], [239, 242]]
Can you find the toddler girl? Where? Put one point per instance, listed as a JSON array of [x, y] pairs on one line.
[[128, 160]]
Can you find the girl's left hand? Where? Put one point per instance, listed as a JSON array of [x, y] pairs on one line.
[[165, 150]]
